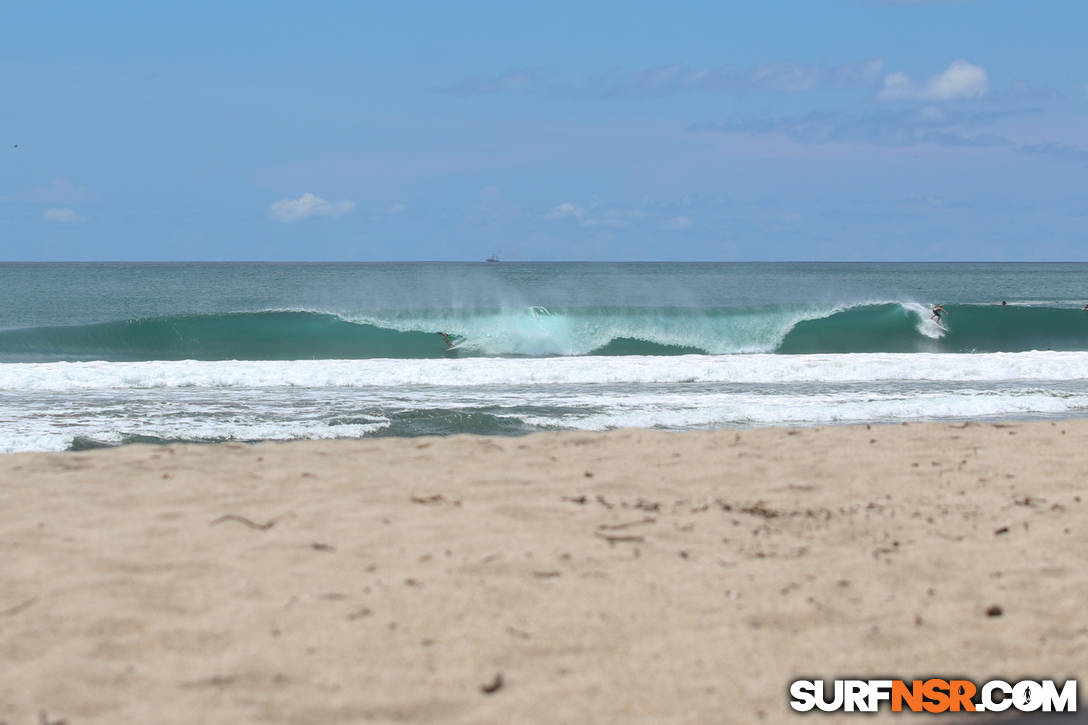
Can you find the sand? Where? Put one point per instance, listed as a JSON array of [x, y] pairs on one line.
[[626, 577]]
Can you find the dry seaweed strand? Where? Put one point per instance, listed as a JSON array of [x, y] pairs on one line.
[[615, 527], [20, 607], [247, 522], [619, 539], [437, 498], [493, 686]]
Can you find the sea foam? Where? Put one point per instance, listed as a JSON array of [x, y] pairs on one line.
[[754, 368]]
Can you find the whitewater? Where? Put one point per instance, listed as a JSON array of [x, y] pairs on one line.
[[98, 355]]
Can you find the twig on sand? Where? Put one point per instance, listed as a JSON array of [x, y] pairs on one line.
[[19, 607], [619, 539], [493, 686], [247, 522], [615, 527], [436, 499], [519, 633]]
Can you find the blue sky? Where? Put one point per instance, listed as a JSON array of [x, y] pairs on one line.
[[789, 130]]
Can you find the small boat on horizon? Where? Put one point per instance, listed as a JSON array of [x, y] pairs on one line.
[[492, 258]]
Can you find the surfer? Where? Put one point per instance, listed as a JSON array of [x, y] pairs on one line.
[[937, 312], [446, 337]]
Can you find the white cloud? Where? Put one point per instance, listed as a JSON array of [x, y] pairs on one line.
[[61, 215], [306, 206], [397, 208], [596, 215], [961, 80], [681, 222], [784, 76], [566, 210], [953, 127]]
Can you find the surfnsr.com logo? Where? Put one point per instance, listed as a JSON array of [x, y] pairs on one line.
[[933, 695]]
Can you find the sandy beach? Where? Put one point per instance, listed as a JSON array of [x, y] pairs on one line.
[[626, 577]]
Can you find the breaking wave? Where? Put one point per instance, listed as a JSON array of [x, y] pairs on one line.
[[899, 327]]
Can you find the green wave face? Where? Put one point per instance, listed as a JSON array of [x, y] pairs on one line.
[[970, 328], [869, 328], [996, 328], [240, 336], [285, 335]]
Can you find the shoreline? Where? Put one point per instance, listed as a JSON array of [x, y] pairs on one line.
[[87, 445], [59, 406], [634, 575]]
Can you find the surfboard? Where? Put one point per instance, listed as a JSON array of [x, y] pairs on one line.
[[938, 324]]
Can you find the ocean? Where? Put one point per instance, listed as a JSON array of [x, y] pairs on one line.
[[102, 354]]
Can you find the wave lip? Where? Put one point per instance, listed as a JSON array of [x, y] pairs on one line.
[[881, 327]]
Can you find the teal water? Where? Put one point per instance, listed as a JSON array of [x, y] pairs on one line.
[[104, 354], [317, 311]]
